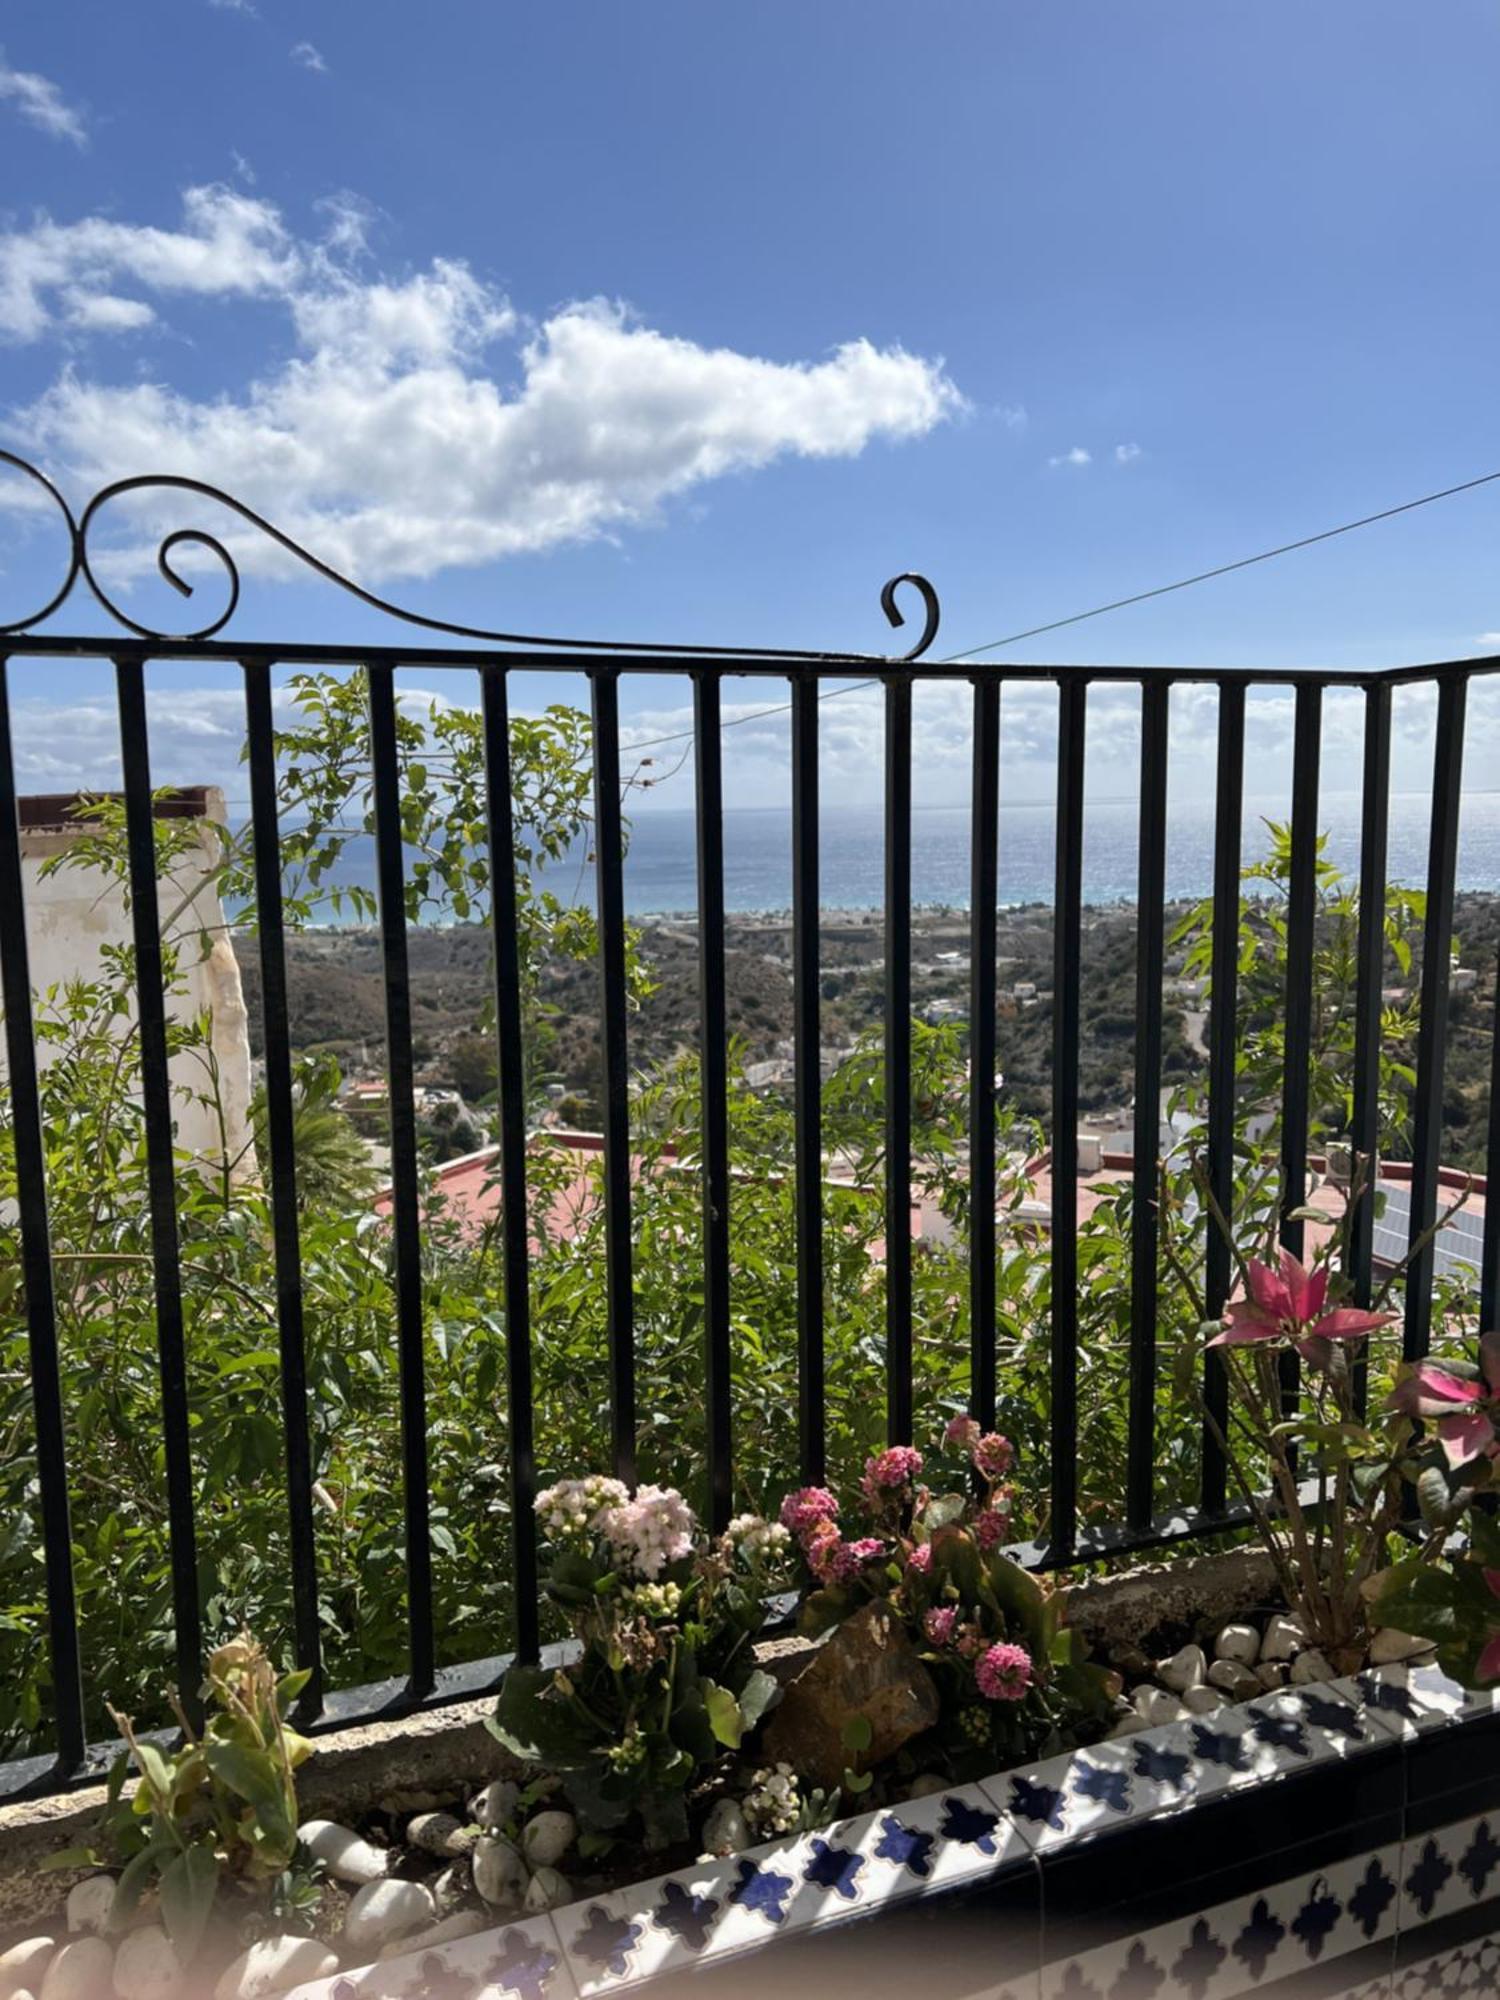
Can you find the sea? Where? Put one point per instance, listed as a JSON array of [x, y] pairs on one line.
[[660, 874]]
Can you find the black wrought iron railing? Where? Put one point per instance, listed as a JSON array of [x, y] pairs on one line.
[[499, 659]]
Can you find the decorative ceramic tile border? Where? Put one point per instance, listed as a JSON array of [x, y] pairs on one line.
[[1472, 1968], [1245, 1943], [715, 1911], [1455, 1867]]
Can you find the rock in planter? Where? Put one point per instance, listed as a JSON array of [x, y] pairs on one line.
[[275, 1965], [866, 1668], [926, 1787], [1310, 1665], [1184, 1670], [547, 1890], [1284, 1636], [442, 1834], [90, 1902], [1204, 1700], [1272, 1674], [24, 1964], [547, 1838], [1240, 1683], [1239, 1643], [1128, 1725], [726, 1829], [496, 1804], [451, 1887], [1156, 1705], [147, 1966], [80, 1971], [499, 1874], [462, 1924], [383, 1910], [1388, 1647], [343, 1853]]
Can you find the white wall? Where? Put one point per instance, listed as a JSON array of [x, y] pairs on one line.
[[74, 912]]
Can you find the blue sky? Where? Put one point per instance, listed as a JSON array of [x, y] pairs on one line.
[[684, 322]]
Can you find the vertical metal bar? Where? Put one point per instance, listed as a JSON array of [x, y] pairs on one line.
[[406, 1224], [1489, 1261], [285, 1235], [1432, 1036], [1364, 1121], [1072, 715], [1223, 1037], [36, 1267], [898, 1043], [808, 1080], [983, 890], [714, 1086], [1301, 919], [1144, 1224], [511, 1063], [161, 1170], [609, 844]]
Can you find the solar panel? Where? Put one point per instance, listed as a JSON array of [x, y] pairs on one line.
[[1457, 1250]]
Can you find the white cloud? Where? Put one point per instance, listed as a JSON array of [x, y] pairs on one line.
[[39, 101], [1077, 456], [390, 441], [309, 57], [1014, 417], [243, 171], [1127, 454]]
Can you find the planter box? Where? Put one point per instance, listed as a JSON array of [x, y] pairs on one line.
[[1335, 1839]]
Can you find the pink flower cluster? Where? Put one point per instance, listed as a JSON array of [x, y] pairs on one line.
[[899, 1465], [807, 1509], [650, 1531], [993, 1525], [847, 1559], [988, 1452], [1003, 1673], [938, 1624]]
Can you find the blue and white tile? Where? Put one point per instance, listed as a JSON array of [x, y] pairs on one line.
[[1414, 1699], [1452, 1868], [1472, 1968], [1321, 1721], [1245, 1943], [518, 1961]]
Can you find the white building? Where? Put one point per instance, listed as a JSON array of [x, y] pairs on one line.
[[73, 913]]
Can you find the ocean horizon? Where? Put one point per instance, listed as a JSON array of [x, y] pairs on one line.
[[660, 873]]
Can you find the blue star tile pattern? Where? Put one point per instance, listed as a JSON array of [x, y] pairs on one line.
[[1315, 1920], [1282, 1732], [833, 1868], [1258, 1942], [1075, 1987], [685, 1916], [524, 1967], [1104, 1784], [1139, 1978], [1223, 1747], [909, 1847], [608, 1941], [1428, 1877], [1200, 1960], [973, 1825], [1043, 1805], [1160, 1766], [1372, 1897], [438, 1980], [1338, 1718], [763, 1891], [1389, 1696], [1479, 1859]]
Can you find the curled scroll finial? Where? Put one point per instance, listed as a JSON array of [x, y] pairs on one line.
[[930, 608], [75, 547]]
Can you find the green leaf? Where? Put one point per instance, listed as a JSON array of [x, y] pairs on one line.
[[857, 1734], [858, 1781], [154, 1768], [537, 1723], [70, 1857], [761, 1692], [188, 1888], [724, 1717]]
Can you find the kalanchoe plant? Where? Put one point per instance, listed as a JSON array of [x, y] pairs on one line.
[[665, 1685], [220, 1810], [1012, 1679], [1456, 1604]]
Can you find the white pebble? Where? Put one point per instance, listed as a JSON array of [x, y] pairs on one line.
[[80, 1971], [547, 1890], [1272, 1674], [462, 1924], [1388, 1647], [275, 1965], [547, 1838], [1240, 1643], [1155, 1706], [499, 1874], [346, 1856], [382, 1910], [1203, 1700], [726, 1830], [24, 1964], [496, 1805], [147, 1966], [1184, 1670], [1240, 1683], [1128, 1725], [1310, 1666], [440, 1833], [926, 1787], [90, 1902], [1284, 1636]]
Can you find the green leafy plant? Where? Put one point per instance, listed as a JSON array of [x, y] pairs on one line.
[[219, 1811], [665, 1685], [1455, 1603]]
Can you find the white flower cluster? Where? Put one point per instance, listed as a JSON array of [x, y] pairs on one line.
[[657, 1600], [773, 1803], [571, 1508], [755, 1539], [650, 1531]]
